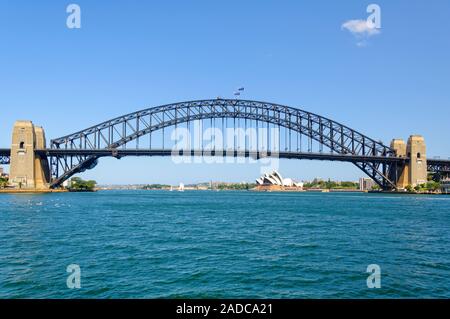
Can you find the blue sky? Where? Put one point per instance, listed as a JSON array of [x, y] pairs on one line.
[[129, 55]]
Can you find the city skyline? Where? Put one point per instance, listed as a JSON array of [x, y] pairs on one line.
[[121, 61]]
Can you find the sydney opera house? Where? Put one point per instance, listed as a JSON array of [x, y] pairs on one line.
[[274, 180]]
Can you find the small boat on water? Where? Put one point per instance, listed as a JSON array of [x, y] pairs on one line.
[[181, 187]]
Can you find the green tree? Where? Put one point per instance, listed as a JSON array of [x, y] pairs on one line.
[[433, 186], [349, 185], [241, 186], [3, 182], [155, 186], [376, 187], [80, 185]]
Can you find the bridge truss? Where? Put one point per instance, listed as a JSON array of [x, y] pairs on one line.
[[77, 152], [296, 128], [440, 168]]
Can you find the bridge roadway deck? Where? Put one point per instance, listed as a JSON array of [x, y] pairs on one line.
[[166, 152], [231, 153]]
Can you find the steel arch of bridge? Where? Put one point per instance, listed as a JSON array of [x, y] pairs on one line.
[[440, 168], [116, 133]]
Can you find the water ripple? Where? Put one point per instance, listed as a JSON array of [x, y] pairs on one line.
[[145, 244]]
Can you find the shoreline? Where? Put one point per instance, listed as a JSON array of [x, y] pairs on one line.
[[405, 193], [32, 191], [46, 191]]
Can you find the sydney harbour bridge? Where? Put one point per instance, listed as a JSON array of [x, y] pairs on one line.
[[280, 131]]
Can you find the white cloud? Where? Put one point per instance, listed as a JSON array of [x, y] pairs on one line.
[[360, 28]]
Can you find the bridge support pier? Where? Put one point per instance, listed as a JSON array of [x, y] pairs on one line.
[[413, 172], [28, 170]]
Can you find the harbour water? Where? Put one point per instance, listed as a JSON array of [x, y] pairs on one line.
[[230, 244]]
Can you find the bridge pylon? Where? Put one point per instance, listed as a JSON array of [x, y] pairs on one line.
[[28, 170], [414, 172]]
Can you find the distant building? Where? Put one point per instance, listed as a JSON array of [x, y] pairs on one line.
[[275, 179], [317, 180], [2, 173], [67, 184], [366, 184], [445, 186]]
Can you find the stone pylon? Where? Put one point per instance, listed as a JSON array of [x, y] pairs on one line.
[[415, 172], [28, 170]]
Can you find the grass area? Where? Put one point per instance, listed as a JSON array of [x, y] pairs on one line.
[[331, 185]]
